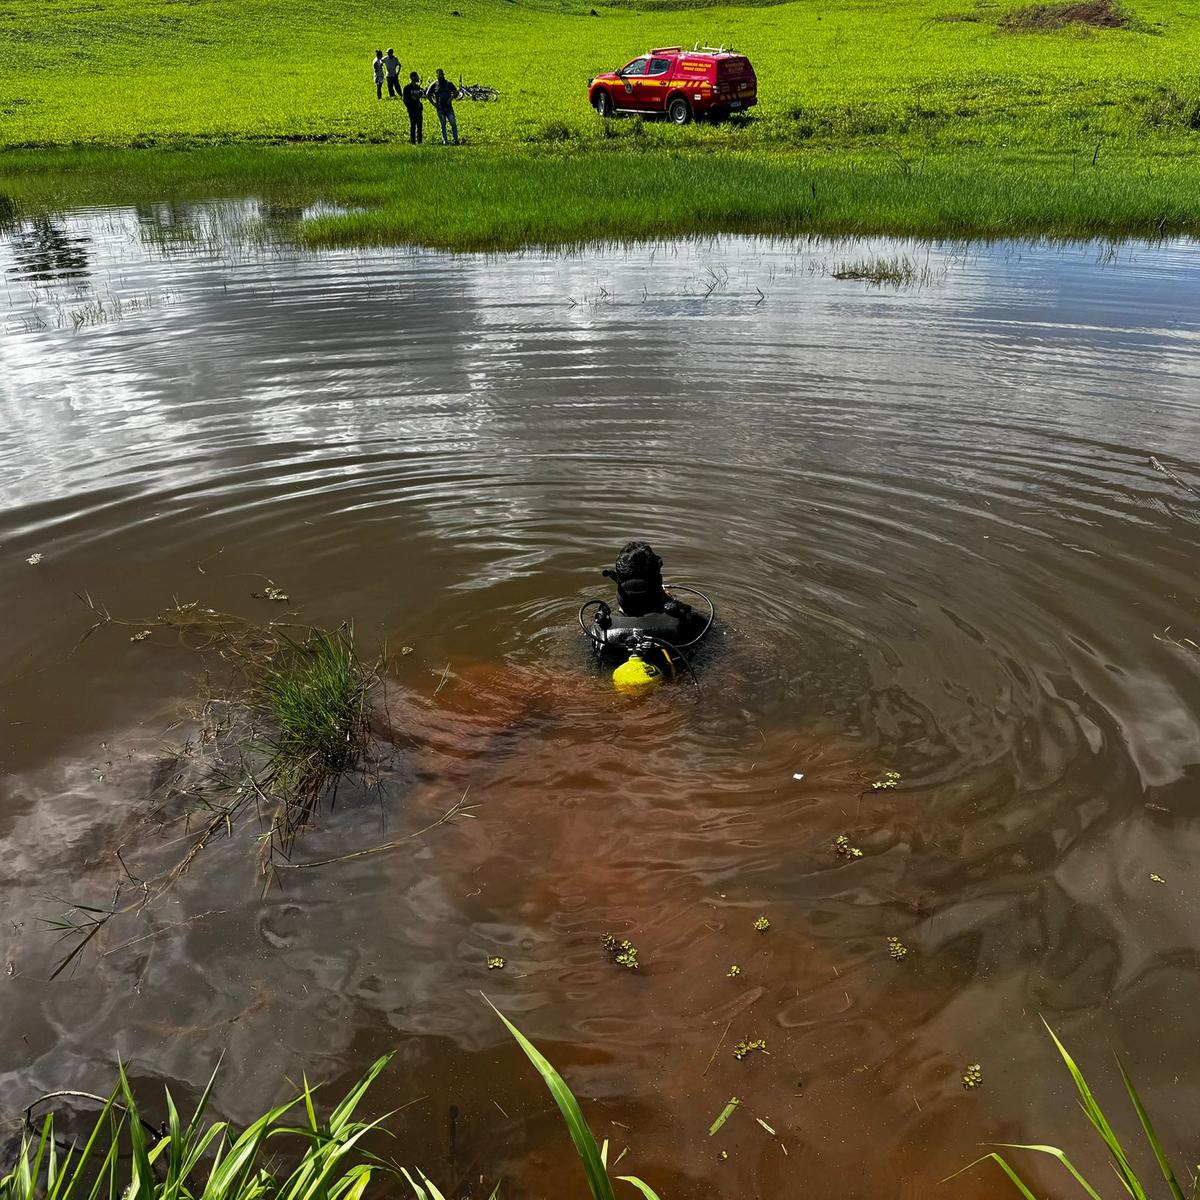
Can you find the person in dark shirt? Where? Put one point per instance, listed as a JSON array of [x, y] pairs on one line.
[[392, 63], [442, 93], [414, 98]]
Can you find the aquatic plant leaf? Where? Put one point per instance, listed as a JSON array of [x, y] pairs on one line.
[[418, 1190], [999, 1159], [577, 1126], [726, 1113], [144, 1180], [428, 1190], [228, 1175], [357, 1184], [1055, 1152], [345, 1109], [641, 1186], [1095, 1114], [1148, 1128]]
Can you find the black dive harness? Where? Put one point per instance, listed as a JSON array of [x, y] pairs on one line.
[[656, 634]]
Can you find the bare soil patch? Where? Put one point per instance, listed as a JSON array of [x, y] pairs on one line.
[[1043, 18]]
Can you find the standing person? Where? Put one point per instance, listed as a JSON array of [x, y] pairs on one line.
[[413, 96], [378, 65], [392, 63], [442, 93]]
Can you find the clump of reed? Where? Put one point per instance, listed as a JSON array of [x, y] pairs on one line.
[[283, 717], [329, 1159], [312, 698], [895, 272]]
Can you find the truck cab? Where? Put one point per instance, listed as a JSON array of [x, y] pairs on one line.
[[682, 84]]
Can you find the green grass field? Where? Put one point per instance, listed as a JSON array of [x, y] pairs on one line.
[[873, 116]]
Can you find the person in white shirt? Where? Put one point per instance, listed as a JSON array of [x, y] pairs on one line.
[[392, 63], [377, 63]]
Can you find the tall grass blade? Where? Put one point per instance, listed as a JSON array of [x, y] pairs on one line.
[[577, 1126], [64, 1184], [1148, 1128], [1095, 1114], [1055, 1152], [999, 1159], [418, 1190], [143, 1181], [342, 1113], [641, 1186]]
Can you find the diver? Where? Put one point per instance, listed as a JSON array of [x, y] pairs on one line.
[[646, 635]]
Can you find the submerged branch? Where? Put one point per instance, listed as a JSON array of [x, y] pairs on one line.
[[459, 808]]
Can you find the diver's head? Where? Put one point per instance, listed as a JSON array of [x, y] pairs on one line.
[[638, 576]]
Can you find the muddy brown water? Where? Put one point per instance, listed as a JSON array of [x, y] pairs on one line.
[[937, 546]]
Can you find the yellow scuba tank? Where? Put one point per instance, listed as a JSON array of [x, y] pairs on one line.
[[636, 676]]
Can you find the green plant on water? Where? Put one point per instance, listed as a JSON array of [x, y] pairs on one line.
[[287, 720], [747, 1045], [894, 271], [1137, 1187], [315, 694], [199, 1160], [843, 849], [623, 952]]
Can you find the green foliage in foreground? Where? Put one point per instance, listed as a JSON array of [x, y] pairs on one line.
[[1120, 1160], [199, 1160], [503, 199]]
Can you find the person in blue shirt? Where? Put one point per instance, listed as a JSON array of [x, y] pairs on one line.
[[442, 94]]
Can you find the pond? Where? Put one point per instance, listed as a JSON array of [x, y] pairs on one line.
[[938, 547]]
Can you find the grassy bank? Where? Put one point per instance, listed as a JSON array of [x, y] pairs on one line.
[[932, 117], [498, 199]]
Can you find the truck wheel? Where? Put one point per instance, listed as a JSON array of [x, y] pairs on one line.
[[604, 104], [679, 111]]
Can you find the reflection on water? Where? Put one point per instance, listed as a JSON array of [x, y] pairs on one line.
[[937, 545]]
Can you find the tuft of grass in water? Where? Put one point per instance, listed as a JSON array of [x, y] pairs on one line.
[[283, 719], [313, 694], [1137, 1187], [124, 1155], [894, 271], [297, 725]]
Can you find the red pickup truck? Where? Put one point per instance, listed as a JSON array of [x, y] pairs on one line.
[[681, 83]]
